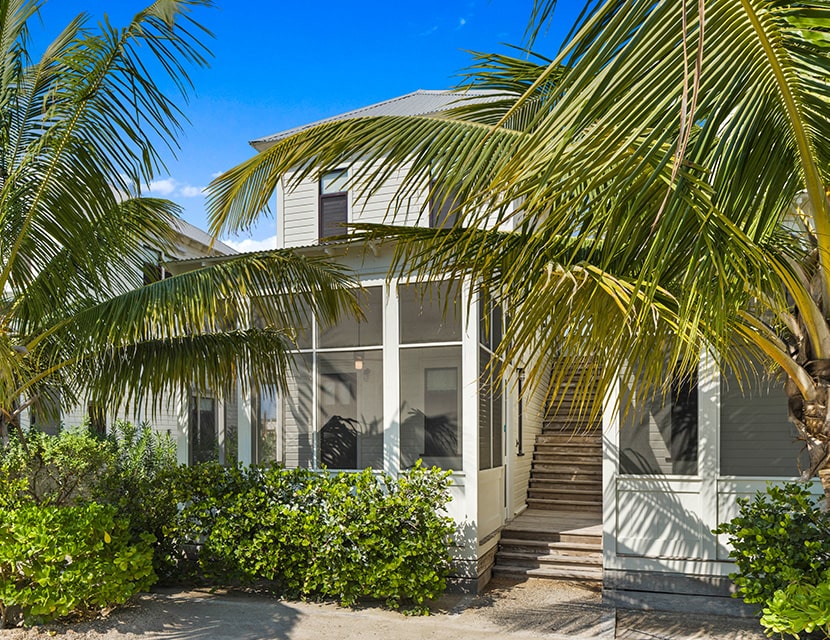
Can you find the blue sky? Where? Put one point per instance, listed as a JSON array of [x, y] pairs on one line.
[[281, 63]]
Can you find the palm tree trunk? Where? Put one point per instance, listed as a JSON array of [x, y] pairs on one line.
[[811, 420]]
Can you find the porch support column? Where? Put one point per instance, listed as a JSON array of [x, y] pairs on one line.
[[391, 381]]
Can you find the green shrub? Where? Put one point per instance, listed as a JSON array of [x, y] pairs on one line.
[[346, 535], [779, 538], [198, 493], [799, 608], [133, 469], [57, 470], [140, 480], [55, 561]]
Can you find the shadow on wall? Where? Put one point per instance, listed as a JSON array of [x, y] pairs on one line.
[[658, 519], [338, 443]]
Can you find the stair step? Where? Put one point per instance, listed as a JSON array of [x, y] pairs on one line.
[[546, 536], [563, 505], [583, 484], [586, 470], [565, 492], [532, 560], [579, 452], [574, 425], [593, 574], [584, 466], [541, 547], [589, 439], [570, 458]]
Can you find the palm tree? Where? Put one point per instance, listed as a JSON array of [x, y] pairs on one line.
[[643, 182], [78, 128]]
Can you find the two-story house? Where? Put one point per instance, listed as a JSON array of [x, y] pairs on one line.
[[631, 503]]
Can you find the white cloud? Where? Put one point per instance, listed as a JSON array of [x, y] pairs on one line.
[[164, 187], [216, 174], [249, 244], [462, 22], [191, 192], [172, 188]]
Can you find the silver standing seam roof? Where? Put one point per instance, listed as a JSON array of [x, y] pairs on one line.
[[418, 103]]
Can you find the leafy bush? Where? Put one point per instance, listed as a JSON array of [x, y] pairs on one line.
[[57, 470], [347, 536], [799, 608], [60, 560], [140, 480], [133, 468], [780, 538], [199, 493]]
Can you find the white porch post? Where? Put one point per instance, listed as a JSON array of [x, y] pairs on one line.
[[245, 428], [391, 381]]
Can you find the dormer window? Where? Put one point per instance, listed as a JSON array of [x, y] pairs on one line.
[[334, 203]]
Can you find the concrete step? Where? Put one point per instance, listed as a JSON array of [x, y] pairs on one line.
[[565, 505], [587, 574]]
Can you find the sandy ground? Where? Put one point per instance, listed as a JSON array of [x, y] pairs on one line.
[[530, 609]]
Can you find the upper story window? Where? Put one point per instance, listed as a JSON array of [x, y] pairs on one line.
[[443, 207], [334, 203]]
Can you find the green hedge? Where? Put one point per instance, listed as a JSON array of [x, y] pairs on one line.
[[300, 533], [345, 535]]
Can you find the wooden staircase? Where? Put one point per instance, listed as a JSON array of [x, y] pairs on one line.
[[560, 534]]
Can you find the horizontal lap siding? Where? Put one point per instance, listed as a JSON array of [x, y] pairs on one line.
[[757, 438], [387, 206], [534, 411], [299, 214], [165, 421]]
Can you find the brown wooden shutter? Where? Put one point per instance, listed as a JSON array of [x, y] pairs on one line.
[[333, 214]]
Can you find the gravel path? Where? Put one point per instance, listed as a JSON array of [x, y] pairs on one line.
[[531, 609]]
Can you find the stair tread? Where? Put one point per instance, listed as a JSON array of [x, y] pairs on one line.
[[547, 559], [578, 573], [543, 544]]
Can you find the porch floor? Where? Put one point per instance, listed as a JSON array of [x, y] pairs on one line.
[[563, 522]]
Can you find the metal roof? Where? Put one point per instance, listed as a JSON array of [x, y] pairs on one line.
[[197, 235], [418, 103]]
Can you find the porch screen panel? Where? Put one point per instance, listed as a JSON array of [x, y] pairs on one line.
[[350, 409], [658, 434], [296, 415], [431, 406], [430, 312], [756, 438], [351, 332]]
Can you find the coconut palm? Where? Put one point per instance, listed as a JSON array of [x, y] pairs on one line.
[[79, 127], [644, 183]]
